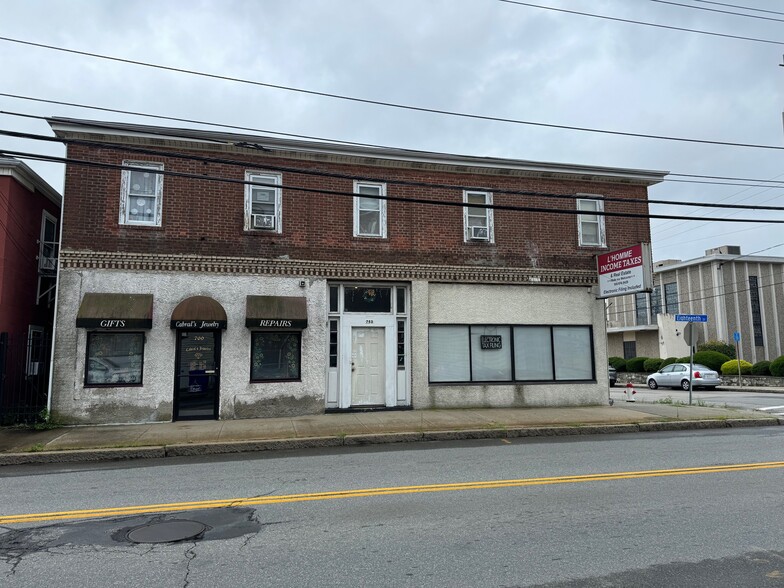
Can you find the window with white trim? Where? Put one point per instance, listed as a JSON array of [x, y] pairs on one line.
[[35, 350], [370, 214], [590, 227], [47, 244], [263, 203], [478, 221], [141, 194]]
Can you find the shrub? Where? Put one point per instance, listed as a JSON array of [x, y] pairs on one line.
[[668, 361], [730, 368], [682, 360], [652, 364], [618, 363], [761, 368], [635, 364], [777, 367], [720, 346], [712, 359]]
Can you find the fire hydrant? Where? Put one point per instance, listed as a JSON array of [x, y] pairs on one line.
[[630, 392]]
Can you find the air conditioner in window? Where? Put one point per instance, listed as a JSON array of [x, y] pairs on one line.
[[263, 221], [480, 234]]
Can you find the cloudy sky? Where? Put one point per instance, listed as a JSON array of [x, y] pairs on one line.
[[484, 57]]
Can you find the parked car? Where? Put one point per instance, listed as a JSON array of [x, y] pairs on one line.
[[676, 375], [613, 375]]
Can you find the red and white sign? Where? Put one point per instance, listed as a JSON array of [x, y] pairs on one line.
[[624, 271]]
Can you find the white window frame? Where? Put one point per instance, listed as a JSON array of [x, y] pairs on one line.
[[598, 220], [488, 217], [125, 193], [48, 263], [382, 209], [32, 367], [264, 178]]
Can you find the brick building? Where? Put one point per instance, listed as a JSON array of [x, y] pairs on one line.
[[29, 221], [228, 276]]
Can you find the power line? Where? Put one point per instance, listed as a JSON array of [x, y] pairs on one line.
[[643, 23], [741, 7], [392, 104], [725, 180], [718, 11], [69, 160], [244, 164]]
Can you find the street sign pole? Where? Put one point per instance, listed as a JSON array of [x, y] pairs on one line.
[[691, 366]]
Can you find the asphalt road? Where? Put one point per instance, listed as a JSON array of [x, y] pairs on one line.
[[648, 513], [770, 403]]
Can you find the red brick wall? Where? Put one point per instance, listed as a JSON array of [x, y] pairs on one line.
[[20, 229], [204, 217]]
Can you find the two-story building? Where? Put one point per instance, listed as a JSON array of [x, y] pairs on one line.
[[741, 294], [215, 275], [29, 221]]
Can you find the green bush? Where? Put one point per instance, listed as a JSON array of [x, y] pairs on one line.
[[712, 359], [777, 367], [682, 360], [618, 363], [668, 361], [652, 364], [720, 346], [636, 364], [761, 368], [730, 368]]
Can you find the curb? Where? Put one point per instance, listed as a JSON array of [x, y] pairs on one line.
[[221, 448]]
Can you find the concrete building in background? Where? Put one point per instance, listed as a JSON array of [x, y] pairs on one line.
[[739, 293], [218, 276], [29, 229]]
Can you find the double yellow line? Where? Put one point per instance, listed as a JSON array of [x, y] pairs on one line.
[[367, 492]]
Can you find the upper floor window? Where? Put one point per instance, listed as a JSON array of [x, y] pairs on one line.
[[263, 202], [590, 227], [370, 214], [47, 244], [478, 221], [656, 302], [141, 194], [641, 308]]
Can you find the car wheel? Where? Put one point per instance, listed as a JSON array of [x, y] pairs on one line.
[[652, 384], [685, 385]]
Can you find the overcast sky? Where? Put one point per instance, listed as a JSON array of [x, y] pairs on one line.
[[483, 57]]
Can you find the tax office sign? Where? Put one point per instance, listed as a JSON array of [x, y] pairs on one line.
[[625, 271]]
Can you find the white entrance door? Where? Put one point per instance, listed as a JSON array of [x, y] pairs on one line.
[[368, 359]]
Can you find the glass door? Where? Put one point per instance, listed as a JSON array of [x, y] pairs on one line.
[[197, 378]]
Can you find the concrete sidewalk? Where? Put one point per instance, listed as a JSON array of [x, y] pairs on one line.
[[94, 443]]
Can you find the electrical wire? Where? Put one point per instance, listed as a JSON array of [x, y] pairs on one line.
[[390, 104], [244, 164], [717, 10], [741, 7], [643, 23], [204, 177]]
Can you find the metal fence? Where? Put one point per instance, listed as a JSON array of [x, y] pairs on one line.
[[24, 377]]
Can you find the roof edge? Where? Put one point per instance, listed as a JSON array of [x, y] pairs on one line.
[[25, 175]]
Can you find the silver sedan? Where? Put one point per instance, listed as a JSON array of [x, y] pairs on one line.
[[676, 375]]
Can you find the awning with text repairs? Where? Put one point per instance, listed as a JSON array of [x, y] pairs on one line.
[[198, 313], [281, 312], [115, 311]]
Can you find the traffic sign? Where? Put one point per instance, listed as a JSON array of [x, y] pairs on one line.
[[692, 334], [736, 336], [691, 318]]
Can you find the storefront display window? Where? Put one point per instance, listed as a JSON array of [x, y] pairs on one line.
[[275, 356], [114, 359]]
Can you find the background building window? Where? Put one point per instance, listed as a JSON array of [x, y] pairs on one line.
[[590, 227], [477, 221], [370, 214], [263, 204], [275, 356], [656, 302], [641, 308], [671, 297], [756, 313], [141, 194], [114, 359], [629, 349]]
